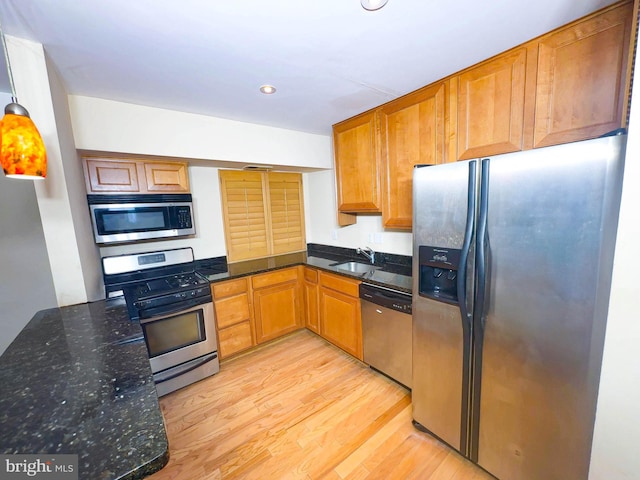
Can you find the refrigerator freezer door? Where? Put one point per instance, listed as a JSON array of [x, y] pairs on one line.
[[552, 216], [441, 341]]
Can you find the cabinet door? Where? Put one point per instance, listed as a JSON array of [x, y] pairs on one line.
[[276, 310], [111, 176], [412, 132], [311, 300], [166, 177], [340, 321], [357, 164], [582, 72], [491, 103]]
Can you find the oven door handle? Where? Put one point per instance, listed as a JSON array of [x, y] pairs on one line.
[[151, 314], [191, 366]]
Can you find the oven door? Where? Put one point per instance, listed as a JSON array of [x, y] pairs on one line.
[[180, 337]]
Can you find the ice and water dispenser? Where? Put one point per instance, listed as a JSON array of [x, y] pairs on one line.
[[438, 273]]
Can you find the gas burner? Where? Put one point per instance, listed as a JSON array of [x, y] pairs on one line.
[[186, 280]]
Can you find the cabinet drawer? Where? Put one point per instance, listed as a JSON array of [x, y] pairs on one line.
[[341, 284], [311, 275], [235, 339], [232, 310], [273, 278], [226, 289]]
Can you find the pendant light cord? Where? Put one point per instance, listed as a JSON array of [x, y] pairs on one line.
[[6, 57]]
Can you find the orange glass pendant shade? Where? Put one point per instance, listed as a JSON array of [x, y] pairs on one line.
[[22, 151]]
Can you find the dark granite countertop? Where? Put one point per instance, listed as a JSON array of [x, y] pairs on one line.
[[77, 380], [394, 271]]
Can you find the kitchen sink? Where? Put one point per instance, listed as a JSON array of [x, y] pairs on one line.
[[355, 267]]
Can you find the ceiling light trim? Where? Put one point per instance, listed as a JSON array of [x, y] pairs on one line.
[[373, 5], [268, 89]]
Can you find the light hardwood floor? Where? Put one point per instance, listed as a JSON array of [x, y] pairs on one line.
[[300, 408]]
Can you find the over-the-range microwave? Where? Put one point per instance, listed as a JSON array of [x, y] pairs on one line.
[[129, 218]]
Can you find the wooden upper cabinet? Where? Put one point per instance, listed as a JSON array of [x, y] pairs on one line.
[[582, 75], [108, 176], [166, 177], [112, 175], [357, 163], [491, 103], [413, 130]]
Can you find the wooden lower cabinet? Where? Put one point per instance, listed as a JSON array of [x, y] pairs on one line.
[[259, 308], [311, 299], [234, 321], [235, 339], [277, 303], [340, 317]]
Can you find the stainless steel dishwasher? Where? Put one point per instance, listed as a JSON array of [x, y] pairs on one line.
[[387, 331]]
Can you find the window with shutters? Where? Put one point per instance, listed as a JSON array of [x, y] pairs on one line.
[[263, 213]]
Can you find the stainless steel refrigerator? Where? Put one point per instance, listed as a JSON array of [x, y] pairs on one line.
[[512, 260]]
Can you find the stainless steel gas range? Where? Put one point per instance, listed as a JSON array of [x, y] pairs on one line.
[[173, 304]]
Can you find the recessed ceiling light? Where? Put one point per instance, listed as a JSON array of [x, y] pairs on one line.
[[268, 89], [373, 4]]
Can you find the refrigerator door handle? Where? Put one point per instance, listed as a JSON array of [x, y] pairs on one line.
[[482, 247], [463, 301]]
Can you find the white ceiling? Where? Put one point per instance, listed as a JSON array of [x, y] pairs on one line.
[[329, 60]]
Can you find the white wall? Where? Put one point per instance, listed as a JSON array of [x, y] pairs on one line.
[[617, 428], [108, 126], [34, 90], [27, 284], [88, 253]]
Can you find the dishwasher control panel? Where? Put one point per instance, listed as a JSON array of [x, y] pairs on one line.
[[385, 297]]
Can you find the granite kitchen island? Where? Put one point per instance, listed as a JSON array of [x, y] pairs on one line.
[[77, 380]]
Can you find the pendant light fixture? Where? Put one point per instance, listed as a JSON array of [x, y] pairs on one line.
[[22, 152]]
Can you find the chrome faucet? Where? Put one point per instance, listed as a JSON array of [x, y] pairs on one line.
[[367, 252]]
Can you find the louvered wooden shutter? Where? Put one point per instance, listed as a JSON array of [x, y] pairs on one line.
[[245, 219], [263, 213], [287, 212]]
